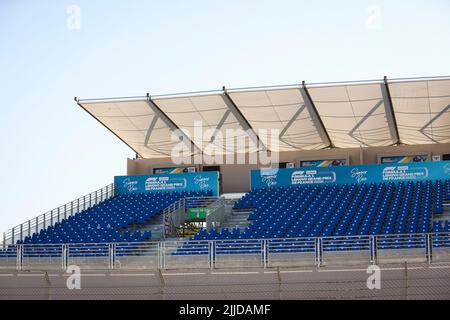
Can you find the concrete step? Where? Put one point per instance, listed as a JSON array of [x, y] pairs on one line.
[[238, 219]]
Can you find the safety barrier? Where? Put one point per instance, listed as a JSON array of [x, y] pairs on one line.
[[266, 253]]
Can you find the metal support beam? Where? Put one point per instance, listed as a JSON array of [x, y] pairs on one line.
[[390, 114], [220, 125], [242, 120], [317, 120], [170, 123]]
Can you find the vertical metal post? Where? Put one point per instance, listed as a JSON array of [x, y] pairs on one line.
[[65, 211], [64, 256], [19, 254], [110, 255], [113, 256], [51, 218], [37, 225], [96, 197], [429, 249], [159, 254], [21, 232], [373, 251], [44, 222], [12, 236], [265, 255], [59, 214], [212, 254], [29, 228], [163, 255], [4, 240], [84, 203], [319, 251]]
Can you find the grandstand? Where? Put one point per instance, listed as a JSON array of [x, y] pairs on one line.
[[354, 182]]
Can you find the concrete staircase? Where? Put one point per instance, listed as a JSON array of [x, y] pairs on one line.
[[155, 225], [237, 219], [445, 215]]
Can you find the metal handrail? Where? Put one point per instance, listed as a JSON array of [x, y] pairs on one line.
[[215, 251], [174, 214], [54, 216]]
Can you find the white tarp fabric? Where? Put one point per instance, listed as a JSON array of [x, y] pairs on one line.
[[136, 124], [284, 110], [354, 115], [422, 109], [209, 121], [338, 115]]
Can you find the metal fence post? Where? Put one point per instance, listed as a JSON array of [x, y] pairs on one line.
[[373, 249], [19, 255], [29, 228], [21, 232], [64, 257], [212, 254], [163, 255], [158, 253], [4, 240], [319, 251], [37, 225], [429, 249], [112, 255], [12, 236], [265, 253]]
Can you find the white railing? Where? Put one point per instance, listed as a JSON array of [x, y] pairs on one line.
[[242, 253], [176, 214], [47, 219], [218, 212]]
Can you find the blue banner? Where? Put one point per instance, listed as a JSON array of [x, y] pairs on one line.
[[350, 174], [200, 181]]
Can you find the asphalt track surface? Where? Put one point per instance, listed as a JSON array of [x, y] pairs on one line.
[[397, 282]]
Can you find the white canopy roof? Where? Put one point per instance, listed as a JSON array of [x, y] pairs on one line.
[[308, 117]]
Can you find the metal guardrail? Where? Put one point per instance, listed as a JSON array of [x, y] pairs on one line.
[[47, 219], [242, 253], [218, 212], [176, 214]]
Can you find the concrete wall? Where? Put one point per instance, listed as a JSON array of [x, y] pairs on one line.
[[235, 178]]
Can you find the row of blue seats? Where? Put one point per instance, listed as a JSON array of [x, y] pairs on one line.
[[334, 210], [107, 222]]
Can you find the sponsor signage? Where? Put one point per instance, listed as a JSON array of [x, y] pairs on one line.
[[197, 213], [350, 174], [199, 181], [404, 159], [323, 163], [174, 170]]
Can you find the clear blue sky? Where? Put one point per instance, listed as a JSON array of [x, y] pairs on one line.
[[53, 152]]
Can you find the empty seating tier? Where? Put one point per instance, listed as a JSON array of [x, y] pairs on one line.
[[107, 222], [338, 210]]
